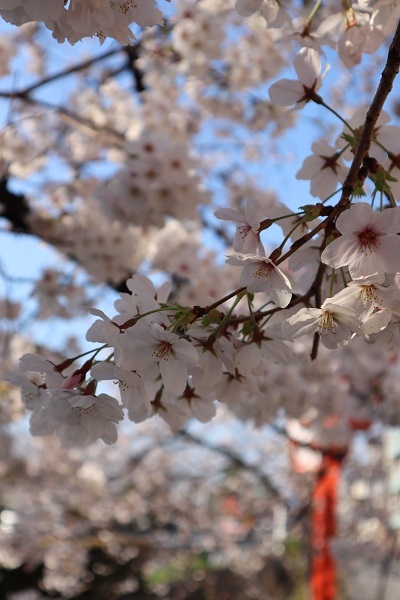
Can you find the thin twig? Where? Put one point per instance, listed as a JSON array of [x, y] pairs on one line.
[[74, 69], [237, 460]]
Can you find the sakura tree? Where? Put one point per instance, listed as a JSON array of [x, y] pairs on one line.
[[143, 164]]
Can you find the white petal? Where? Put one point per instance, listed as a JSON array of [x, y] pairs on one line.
[[286, 92], [388, 253], [229, 214], [173, 375], [356, 218], [203, 409], [110, 434], [186, 352], [377, 321], [35, 362], [337, 337], [308, 66], [280, 297], [19, 380], [388, 221], [302, 323], [341, 251], [103, 371]]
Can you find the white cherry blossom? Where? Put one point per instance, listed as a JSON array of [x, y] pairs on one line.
[[82, 419], [334, 323], [324, 168], [358, 39], [103, 330], [36, 399], [386, 15], [131, 387], [270, 9], [369, 244], [307, 64], [247, 238], [36, 363], [157, 352], [260, 274], [376, 304], [84, 18]]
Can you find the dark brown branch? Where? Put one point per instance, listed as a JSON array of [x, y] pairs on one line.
[[14, 208], [315, 346], [384, 88], [316, 290], [133, 54]]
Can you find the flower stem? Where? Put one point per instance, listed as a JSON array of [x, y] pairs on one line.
[[251, 312], [331, 284], [300, 222], [95, 350], [310, 17], [343, 277], [204, 311], [331, 196], [339, 116], [227, 317]]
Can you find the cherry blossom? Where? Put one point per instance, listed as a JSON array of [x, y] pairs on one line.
[[369, 244], [156, 351], [82, 19], [334, 323], [260, 274], [132, 390], [270, 9], [307, 64], [360, 37], [247, 238], [37, 400], [376, 304], [324, 169], [385, 15], [82, 419], [49, 371]]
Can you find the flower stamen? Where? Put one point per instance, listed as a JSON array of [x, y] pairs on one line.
[[326, 323], [263, 271], [368, 294], [368, 239], [162, 351]]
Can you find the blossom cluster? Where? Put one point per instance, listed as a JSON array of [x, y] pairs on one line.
[[355, 30], [223, 334], [77, 19], [176, 361]]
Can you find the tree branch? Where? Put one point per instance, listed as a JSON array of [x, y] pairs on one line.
[[238, 461]]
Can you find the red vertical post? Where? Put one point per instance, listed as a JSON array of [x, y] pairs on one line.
[[323, 568]]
